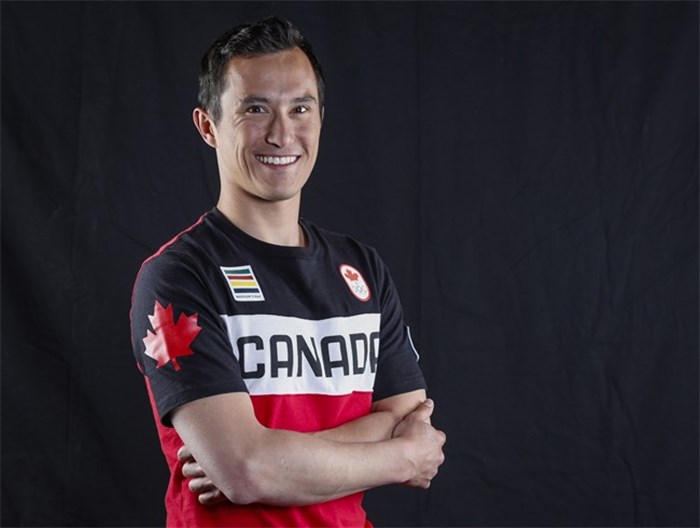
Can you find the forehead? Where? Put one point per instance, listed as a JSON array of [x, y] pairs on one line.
[[285, 74]]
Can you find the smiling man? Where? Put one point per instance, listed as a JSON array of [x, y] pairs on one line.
[[281, 373]]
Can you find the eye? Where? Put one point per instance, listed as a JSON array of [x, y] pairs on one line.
[[255, 109], [300, 109]]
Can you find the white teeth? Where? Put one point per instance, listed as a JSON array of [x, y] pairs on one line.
[[277, 160]]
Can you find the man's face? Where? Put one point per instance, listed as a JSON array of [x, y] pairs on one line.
[[268, 134]]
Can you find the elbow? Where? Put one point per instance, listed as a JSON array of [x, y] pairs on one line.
[[240, 495], [250, 482]]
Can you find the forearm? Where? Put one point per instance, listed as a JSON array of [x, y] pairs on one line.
[[294, 469], [251, 463], [374, 427], [380, 423]]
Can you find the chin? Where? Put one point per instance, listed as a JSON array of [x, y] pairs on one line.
[[278, 195]]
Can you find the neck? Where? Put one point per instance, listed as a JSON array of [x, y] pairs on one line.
[[272, 222]]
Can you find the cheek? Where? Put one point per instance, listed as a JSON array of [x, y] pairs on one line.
[[248, 134], [241, 143], [310, 133]]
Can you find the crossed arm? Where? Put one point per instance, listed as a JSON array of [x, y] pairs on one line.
[[230, 455]]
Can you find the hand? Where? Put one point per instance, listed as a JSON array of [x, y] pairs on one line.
[[207, 493], [425, 444]]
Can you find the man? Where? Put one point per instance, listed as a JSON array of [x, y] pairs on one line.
[[274, 350]]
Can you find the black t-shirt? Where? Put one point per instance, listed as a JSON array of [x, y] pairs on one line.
[[216, 311]]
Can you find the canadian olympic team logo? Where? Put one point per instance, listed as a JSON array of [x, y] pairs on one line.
[[356, 282]]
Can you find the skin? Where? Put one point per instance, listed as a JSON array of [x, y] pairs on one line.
[[270, 113]]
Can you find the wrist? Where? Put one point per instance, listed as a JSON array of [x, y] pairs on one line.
[[401, 448]]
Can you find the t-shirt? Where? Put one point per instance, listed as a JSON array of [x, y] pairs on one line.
[[313, 334]]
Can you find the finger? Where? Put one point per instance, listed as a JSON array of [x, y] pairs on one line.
[[201, 485], [184, 454], [212, 497], [192, 470], [424, 410], [423, 483]]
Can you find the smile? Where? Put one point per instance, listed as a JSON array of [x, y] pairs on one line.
[[277, 160]]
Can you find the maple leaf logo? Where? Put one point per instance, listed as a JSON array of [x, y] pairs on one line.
[[355, 282], [170, 339], [351, 275]]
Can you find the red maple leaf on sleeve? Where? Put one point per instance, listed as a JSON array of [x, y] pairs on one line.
[[351, 275], [170, 339]]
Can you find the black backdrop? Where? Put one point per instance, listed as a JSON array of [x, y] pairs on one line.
[[529, 171]]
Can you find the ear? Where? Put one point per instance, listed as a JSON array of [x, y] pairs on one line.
[[205, 126]]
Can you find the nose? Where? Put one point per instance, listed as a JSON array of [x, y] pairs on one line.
[[280, 132]]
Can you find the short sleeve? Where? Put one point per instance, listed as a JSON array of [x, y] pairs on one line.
[[398, 370], [178, 337]]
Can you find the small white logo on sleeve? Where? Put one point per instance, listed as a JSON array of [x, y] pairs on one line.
[[356, 282]]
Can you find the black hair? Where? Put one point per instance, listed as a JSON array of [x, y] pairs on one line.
[[269, 35]]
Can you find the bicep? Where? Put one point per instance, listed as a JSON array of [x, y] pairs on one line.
[[401, 404], [221, 432]]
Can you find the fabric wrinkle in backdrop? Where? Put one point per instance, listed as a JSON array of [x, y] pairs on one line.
[[528, 171]]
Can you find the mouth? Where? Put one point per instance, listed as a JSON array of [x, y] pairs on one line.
[[277, 161]]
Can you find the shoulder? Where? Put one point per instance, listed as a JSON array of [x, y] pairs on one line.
[[339, 241], [184, 242], [181, 255], [181, 273], [347, 252]]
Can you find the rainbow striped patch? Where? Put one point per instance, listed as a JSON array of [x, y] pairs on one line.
[[243, 284]]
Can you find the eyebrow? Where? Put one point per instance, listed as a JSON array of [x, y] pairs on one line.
[[253, 99]]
